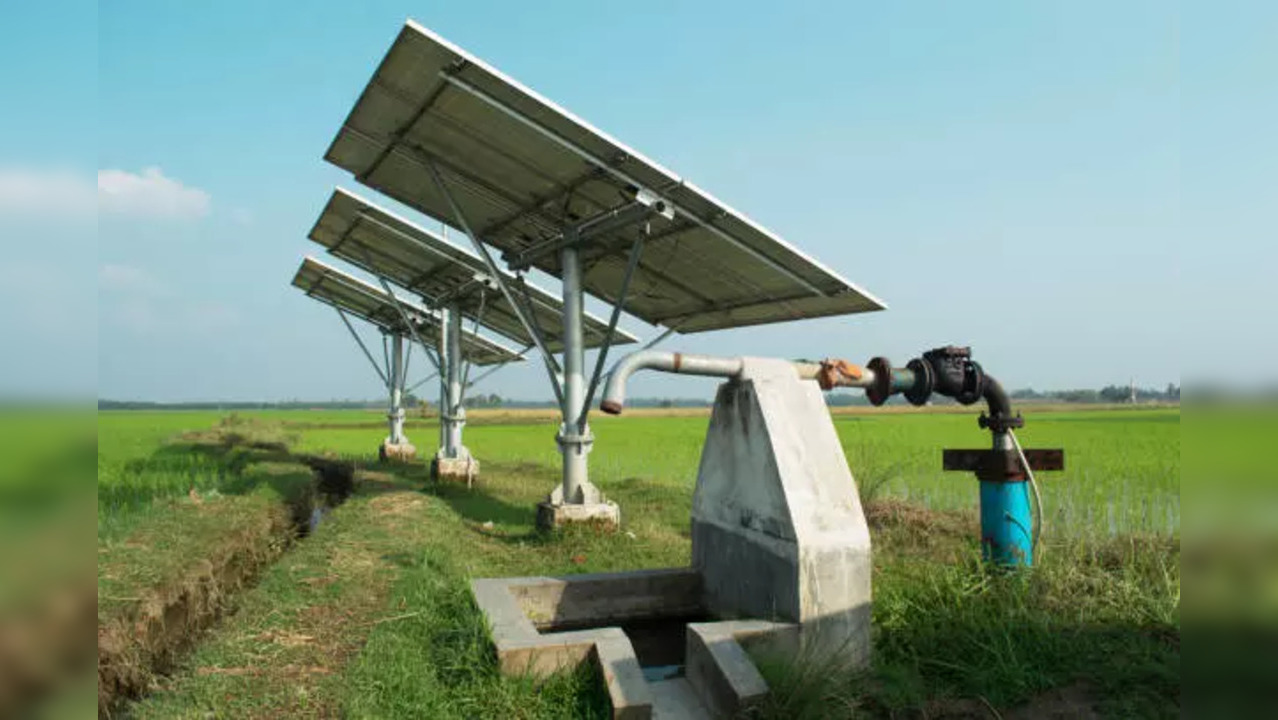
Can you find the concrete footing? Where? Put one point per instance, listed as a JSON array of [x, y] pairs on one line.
[[396, 452], [590, 506], [551, 515], [463, 469]]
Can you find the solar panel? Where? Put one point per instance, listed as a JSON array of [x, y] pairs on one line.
[[522, 169], [350, 294], [416, 259]]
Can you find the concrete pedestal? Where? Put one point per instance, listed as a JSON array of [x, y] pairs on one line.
[[592, 507], [781, 564], [396, 452], [461, 469], [777, 527]]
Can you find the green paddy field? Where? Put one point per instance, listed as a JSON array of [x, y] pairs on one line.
[[367, 614]]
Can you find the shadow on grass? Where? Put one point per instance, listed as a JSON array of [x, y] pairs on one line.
[[478, 505]]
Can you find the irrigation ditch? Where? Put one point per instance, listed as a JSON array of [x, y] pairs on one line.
[[181, 569]]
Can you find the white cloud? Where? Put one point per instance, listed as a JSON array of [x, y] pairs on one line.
[[53, 193], [149, 195]]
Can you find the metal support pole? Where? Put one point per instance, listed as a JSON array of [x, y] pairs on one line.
[[456, 412], [386, 363], [574, 440], [479, 316], [396, 414], [444, 317], [403, 376]]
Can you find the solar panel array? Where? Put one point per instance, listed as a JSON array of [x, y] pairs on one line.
[[420, 261], [522, 169], [352, 295]]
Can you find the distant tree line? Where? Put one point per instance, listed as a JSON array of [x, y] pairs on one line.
[[1107, 394]]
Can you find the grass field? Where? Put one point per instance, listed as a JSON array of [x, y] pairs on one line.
[[1122, 476], [370, 617]]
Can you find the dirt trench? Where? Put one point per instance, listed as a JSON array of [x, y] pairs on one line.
[[146, 635]]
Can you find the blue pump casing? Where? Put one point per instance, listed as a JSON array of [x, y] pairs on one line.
[[1007, 536]]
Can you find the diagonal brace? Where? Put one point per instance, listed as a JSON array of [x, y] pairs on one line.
[[342, 314], [403, 314], [546, 357], [602, 357]]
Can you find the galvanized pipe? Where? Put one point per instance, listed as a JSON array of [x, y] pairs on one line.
[[574, 440], [454, 414], [396, 384], [708, 365], [614, 397], [444, 315]]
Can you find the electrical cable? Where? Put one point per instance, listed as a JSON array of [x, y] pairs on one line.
[[1038, 498]]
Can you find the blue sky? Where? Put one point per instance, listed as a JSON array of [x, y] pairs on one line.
[[1004, 174]]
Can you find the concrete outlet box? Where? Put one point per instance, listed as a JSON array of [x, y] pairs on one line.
[[780, 561]]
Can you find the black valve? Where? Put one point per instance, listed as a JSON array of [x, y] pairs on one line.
[[955, 374], [950, 371]]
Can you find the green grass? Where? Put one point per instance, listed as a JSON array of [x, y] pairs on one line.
[[1100, 612], [1122, 467]]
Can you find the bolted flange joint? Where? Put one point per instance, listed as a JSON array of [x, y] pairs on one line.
[[1000, 423], [881, 389], [924, 381], [568, 439]]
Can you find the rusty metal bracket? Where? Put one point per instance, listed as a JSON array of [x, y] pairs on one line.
[[1001, 465]]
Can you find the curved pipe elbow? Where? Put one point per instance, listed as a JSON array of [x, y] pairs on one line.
[[996, 398], [614, 398]]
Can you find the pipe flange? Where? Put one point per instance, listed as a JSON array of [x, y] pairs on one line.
[[924, 381], [881, 389], [999, 423], [973, 384], [573, 439]]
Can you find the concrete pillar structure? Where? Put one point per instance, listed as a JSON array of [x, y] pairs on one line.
[[778, 532], [576, 499]]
